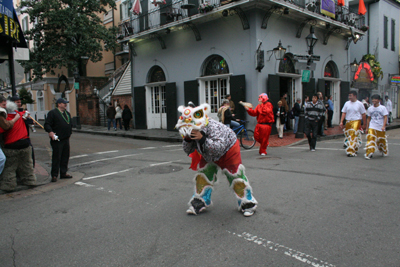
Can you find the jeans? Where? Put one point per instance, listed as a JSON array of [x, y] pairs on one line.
[[234, 124], [296, 123], [2, 160], [120, 123], [109, 123], [311, 127]]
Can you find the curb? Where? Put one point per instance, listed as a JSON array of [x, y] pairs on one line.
[[25, 191]]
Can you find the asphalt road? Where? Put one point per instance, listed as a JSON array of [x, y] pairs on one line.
[[315, 209]]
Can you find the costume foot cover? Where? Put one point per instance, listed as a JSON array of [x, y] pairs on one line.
[[196, 207]]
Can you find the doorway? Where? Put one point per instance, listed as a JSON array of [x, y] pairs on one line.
[[286, 87], [157, 118]]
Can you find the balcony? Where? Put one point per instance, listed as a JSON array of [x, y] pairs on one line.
[[176, 15]]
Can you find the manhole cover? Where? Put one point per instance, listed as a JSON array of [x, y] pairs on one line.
[[269, 158], [161, 169]]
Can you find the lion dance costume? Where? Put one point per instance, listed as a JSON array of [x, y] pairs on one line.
[[376, 137], [354, 112], [217, 149], [265, 118]]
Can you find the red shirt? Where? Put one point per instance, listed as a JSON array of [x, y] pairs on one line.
[[264, 113], [17, 132]]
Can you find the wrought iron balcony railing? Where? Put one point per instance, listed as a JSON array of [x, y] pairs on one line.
[[178, 10]]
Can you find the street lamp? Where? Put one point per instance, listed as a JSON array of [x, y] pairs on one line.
[[279, 51], [311, 40], [77, 78]]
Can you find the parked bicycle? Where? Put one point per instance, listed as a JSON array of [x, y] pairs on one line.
[[246, 136]]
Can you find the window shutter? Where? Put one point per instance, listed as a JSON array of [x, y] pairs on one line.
[[238, 93], [140, 107], [191, 91], [273, 87], [171, 105], [344, 94]]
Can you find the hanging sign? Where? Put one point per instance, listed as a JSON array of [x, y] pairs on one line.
[[328, 8], [395, 80], [9, 24], [305, 76]]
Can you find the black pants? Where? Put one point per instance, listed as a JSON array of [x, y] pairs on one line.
[[60, 158], [126, 124], [119, 120], [330, 116], [311, 127], [320, 125]]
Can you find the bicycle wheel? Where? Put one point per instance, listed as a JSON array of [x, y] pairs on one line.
[[247, 139]]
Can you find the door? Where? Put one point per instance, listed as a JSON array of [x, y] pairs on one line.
[[212, 92], [156, 108], [238, 93], [140, 107], [273, 87], [172, 106]]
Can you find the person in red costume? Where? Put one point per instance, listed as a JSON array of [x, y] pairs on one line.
[[265, 118]]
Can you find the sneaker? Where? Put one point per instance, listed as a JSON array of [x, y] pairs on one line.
[[313, 150], [263, 154], [196, 207], [368, 157], [248, 209], [115, 129], [351, 155]]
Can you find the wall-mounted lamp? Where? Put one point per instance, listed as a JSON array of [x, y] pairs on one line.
[[279, 51], [354, 36], [311, 40], [354, 65]]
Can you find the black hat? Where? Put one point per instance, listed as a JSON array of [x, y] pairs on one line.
[[61, 100], [15, 98]]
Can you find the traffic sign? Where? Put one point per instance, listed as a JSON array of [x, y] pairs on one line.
[[307, 57]]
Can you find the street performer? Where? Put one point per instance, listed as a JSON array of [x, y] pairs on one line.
[[265, 118], [353, 111], [17, 151], [213, 146]]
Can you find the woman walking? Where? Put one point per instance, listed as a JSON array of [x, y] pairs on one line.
[[126, 117], [118, 116], [280, 115]]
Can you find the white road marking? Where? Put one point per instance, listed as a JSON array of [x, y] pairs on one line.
[[317, 148], [151, 147], [105, 152], [78, 156], [172, 145], [179, 149], [93, 161], [84, 184], [155, 164], [107, 174], [300, 256]]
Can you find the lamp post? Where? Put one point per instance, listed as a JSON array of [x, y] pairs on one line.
[[311, 40], [77, 79]]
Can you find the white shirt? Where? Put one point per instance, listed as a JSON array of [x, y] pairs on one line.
[[388, 105], [353, 110], [377, 116]]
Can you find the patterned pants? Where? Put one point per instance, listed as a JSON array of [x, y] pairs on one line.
[[19, 161], [352, 137], [231, 166], [376, 140]]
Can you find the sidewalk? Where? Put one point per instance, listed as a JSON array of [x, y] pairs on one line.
[[43, 177], [173, 136]]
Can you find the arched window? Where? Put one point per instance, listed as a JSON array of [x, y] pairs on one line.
[[156, 74], [215, 65], [331, 70], [287, 64]]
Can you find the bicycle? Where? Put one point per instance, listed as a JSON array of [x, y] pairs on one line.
[[246, 136]]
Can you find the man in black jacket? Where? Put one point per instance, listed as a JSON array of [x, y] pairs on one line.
[[296, 113], [314, 112], [58, 125]]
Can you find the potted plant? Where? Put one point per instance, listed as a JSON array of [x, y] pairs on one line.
[[205, 7]]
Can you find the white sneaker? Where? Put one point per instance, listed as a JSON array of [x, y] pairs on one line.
[[313, 150], [248, 212], [263, 154]]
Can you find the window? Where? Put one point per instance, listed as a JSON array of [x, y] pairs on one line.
[[156, 75], [124, 9], [40, 101], [215, 65], [286, 65], [331, 70], [385, 32], [393, 41]]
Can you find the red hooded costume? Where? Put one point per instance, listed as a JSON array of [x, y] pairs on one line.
[[265, 118]]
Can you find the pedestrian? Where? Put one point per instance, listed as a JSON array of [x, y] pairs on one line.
[[389, 107], [126, 117], [111, 112], [231, 103], [296, 113], [17, 151], [280, 116], [264, 112], [58, 125], [306, 100], [314, 111], [330, 111], [5, 125], [118, 116], [366, 103], [321, 122], [212, 147], [28, 123], [376, 128], [353, 111], [286, 106]]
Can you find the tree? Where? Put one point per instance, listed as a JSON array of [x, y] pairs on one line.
[[64, 32], [26, 97]]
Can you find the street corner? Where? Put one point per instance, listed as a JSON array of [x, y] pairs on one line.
[[25, 191]]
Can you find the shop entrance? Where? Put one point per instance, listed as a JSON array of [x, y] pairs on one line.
[[286, 87]]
